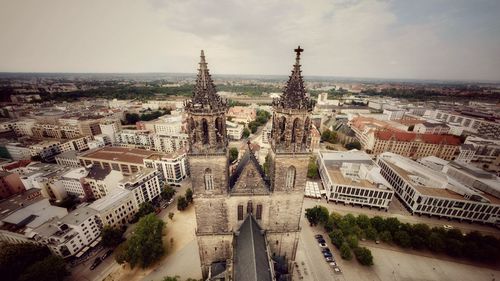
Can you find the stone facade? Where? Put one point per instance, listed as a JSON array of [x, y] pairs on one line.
[[223, 199]]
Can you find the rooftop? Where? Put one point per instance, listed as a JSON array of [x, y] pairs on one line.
[[119, 154], [110, 200]]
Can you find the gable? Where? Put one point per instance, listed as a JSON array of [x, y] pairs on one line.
[[248, 176]]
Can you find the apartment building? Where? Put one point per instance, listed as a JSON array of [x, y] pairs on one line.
[[144, 185], [74, 184], [116, 209], [415, 145], [102, 181], [125, 160], [10, 184], [110, 128], [146, 140], [352, 177], [432, 128], [72, 234], [68, 159], [243, 114], [475, 122], [173, 167], [394, 114], [234, 130], [456, 192], [164, 125]]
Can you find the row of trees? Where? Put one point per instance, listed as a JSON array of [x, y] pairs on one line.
[[348, 229], [132, 118], [24, 262], [145, 246], [344, 241]]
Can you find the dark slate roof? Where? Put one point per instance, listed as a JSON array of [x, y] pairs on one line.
[[217, 270], [245, 159], [98, 173], [251, 262]]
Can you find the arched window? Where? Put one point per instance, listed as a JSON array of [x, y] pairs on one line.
[[290, 178], [282, 125], [307, 130], [209, 179], [192, 129], [204, 130], [295, 129], [219, 127]]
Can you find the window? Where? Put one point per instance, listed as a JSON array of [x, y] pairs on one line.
[[240, 212], [258, 214], [209, 180], [290, 177], [249, 207]]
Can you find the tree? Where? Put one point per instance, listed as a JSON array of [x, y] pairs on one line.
[[435, 242], [144, 209], [363, 221], [267, 165], [386, 236], [233, 154], [392, 224], [15, 258], [167, 192], [317, 214], [364, 256], [353, 145], [337, 238], [402, 238], [246, 133], [352, 240], [378, 223], [329, 136], [345, 251], [182, 203], [146, 245], [171, 278], [371, 233], [171, 216], [111, 236], [312, 169], [253, 126], [189, 195], [132, 118], [51, 268]]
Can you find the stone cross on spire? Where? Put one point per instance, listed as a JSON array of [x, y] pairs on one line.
[[298, 51]]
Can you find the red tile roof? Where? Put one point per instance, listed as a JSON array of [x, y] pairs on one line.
[[409, 136]]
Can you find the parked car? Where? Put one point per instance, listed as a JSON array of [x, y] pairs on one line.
[[447, 226], [325, 250], [329, 259], [96, 263], [327, 254], [323, 245], [321, 240], [336, 269], [318, 236], [107, 254], [333, 264]]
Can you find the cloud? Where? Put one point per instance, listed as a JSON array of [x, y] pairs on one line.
[[394, 39]]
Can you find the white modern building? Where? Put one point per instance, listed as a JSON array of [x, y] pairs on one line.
[[458, 191], [352, 177], [234, 130], [144, 185], [116, 208], [74, 183], [173, 167]]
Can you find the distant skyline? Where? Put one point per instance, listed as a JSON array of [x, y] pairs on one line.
[[438, 40]]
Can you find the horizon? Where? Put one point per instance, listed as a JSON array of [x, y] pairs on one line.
[[426, 40]]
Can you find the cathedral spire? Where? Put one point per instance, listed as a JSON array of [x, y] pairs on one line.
[[294, 95], [205, 95]]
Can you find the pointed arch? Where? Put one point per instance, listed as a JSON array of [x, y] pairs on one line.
[[192, 129], [307, 130], [204, 131], [282, 128], [290, 177], [209, 179], [219, 129], [295, 130]]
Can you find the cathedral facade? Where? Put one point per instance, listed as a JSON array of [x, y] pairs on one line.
[[225, 202]]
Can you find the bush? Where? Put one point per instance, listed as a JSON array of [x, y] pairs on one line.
[[337, 238], [353, 145], [364, 256], [167, 193], [345, 251], [386, 236], [189, 196], [233, 154], [402, 238], [182, 203], [352, 240], [111, 236]]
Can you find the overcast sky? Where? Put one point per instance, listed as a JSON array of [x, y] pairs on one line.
[[440, 39]]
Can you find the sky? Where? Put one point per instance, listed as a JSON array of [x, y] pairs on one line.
[[402, 39]]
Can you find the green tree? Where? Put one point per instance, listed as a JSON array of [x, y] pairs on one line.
[[167, 192], [337, 238], [233, 154], [329, 136], [246, 133], [392, 224], [386, 236], [132, 118], [171, 278], [267, 165], [345, 251], [378, 223], [317, 215], [111, 236], [15, 258], [363, 221], [371, 233], [189, 195], [353, 145], [145, 208], [436, 242], [253, 126], [146, 244], [51, 268], [312, 169], [182, 203], [402, 238], [171, 216], [364, 256], [352, 240]]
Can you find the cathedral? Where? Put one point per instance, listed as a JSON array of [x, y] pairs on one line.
[[248, 223]]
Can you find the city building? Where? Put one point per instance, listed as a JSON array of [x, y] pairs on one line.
[[432, 128], [352, 177], [110, 128], [68, 159], [241, 114], [10, 184], [144, 185], [173, 167], [457, 192], [125, 160], [116, 208], [234, 130], [475, 122], [74, 184], [394, 114], [102, 181], [72, 234]]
